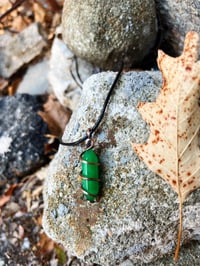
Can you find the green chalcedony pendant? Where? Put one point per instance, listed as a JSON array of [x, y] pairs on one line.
[[90, 175]]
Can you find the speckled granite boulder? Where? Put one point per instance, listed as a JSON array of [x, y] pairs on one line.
[[177, 18], [136, 219], [107, 32]]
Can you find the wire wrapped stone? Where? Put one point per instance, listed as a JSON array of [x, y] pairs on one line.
[[90, 175]]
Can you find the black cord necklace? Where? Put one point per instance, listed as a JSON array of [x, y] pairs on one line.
[[88, 158]]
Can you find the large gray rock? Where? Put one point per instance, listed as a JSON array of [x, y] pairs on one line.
[[66, 77], [22, 137], [136, 219], [108, 32], [177, 18], [20, 49], [33, 82]]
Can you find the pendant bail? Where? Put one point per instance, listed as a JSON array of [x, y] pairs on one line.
[[89, 141]]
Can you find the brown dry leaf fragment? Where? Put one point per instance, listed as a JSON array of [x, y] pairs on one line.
[[19, 23], [3, 85], [37, 192], [39, 12], [7, 195], [55, 115], [172, 150], [27, 196], [45, 244], [15, 15], [38, 220]]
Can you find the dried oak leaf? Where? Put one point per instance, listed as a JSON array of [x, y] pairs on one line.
[[172, 150], [55, 115]]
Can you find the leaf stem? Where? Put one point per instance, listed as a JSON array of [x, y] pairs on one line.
[[180, 230]]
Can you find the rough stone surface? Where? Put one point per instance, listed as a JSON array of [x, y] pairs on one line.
[[108, 32], [136, 219], [177, 18], [21, 136], [64, 77], [15, 51]]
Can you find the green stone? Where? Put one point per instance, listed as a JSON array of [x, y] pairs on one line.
[[90, 169]]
